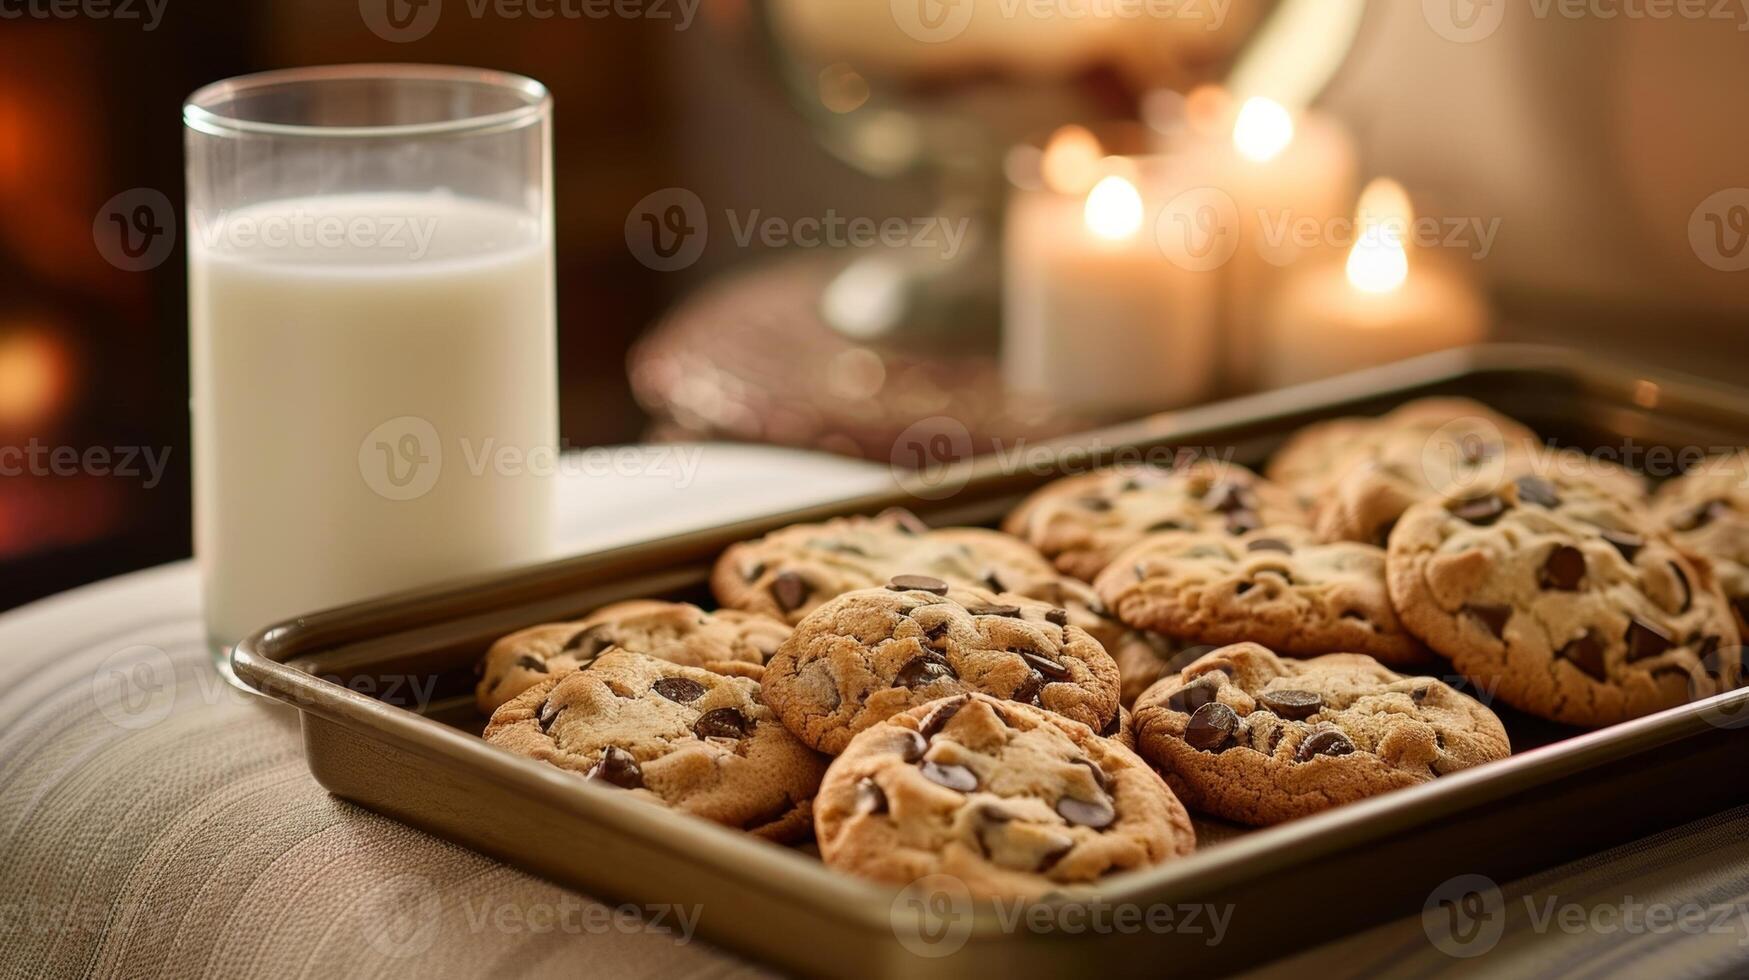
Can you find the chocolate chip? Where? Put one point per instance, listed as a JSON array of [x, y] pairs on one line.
[[549, 713], [1701, 516], [1419, 694], [1243, 522], [1536, 490], [993, 581], [911, 746], [953, 777], [1159, 526], [683, 690], [936, 631], [1029, 689], [1480, 511], [1098, 505], [722, 723], [937, 719], [1227, 497], [1211, 727], [1628, 544], [917, 583], [1243, 587], [1010, 612], [1292, 705], [1492, 618], [1645, 640], [588, 644], [1113, 726], [905, 520], [617, 768], [535, 664], [1687, 602], [1100, 779], [752, 572], [1098, 814], [870, 798], [1270, 544], [1049, 859], [1057, 617], [1586, 653], [923, 671], [790, 591], [1564, 569], [1324, 741], [1188, 699], [1044, 664]]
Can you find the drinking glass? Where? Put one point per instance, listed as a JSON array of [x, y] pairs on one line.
[[371, 334]]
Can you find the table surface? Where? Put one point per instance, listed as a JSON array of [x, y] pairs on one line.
[[171, 828]]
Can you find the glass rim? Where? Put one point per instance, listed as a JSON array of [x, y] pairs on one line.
[[198, 115]]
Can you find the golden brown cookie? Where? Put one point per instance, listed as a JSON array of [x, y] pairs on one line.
[[1248, 736], [1009, 799], [1707, 512]]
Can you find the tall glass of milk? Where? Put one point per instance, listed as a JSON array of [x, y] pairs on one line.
[[371, 333]]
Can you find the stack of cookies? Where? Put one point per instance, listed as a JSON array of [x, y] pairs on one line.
[[1037, 708]]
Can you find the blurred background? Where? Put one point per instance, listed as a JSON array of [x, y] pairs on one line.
[[1585, 169]]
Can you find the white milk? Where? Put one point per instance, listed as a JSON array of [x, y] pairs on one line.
[[368, 372]]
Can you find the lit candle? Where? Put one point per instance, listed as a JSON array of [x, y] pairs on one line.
[[1097, 318], [1382, 304]]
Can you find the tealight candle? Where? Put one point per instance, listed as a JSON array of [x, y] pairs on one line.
[[1380, 305]]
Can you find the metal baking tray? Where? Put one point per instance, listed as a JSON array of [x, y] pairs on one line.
[[352, 673]]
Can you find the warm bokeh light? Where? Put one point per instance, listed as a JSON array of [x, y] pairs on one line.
[[1114, 209], [1071, 160], [1379, 262], [33, 377], [842, 88], [1263, 130]]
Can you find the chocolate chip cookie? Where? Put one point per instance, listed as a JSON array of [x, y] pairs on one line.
[[1707, 512], [1083, 522], [1009, 799], [728, 641], [1245, 735], [1277, 586], [868, 655], [791, 572], [1564, 599], [698, 742]]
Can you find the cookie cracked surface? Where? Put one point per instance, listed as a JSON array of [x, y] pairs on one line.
[[870, 654], [1707, 511], [727, 641], [1566, 600], [1083, 522], [1248, 736], [698, 742], [1010, 799], [1276, 586]]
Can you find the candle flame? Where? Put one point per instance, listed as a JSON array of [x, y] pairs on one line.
[[1114, 209], [1379, 262], [1263, 130], [1071, 160]]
